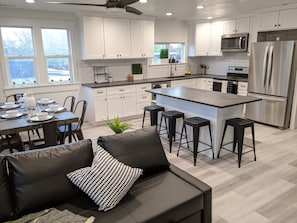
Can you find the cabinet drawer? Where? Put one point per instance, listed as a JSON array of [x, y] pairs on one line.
[[121, 89], [144, 97], [242, 86], [100, 92], [142, 87]]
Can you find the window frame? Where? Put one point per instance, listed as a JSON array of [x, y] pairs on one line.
[[40, 60], [184, 60], [70, 56]]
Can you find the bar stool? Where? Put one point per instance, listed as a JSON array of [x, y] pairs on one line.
[[239, 126], [171, 116], [153, 110], [196, 123]]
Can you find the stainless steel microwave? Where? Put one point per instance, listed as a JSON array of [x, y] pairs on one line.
[[235, 42]]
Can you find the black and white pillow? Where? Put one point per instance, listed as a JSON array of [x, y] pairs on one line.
[[107, 181]]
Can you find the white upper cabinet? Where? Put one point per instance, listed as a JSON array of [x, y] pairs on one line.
[[117, 38], [239, 25], [92, 38], [208, 39], [142, 38], [284, 19]]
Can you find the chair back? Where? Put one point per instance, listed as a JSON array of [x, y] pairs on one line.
[[80, 111], [69, 102], [14, 97]]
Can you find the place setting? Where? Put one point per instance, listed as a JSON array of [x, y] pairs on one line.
[[41, 116], [9, 105], [45, 101], [12, 114], [54, 108]]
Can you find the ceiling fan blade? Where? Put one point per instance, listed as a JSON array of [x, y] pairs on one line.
[[133, 10], [123, 3], [79, 4]]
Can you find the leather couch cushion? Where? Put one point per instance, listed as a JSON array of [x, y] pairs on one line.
[[162, 197], [6, 207], [141, 148], [39, 178]]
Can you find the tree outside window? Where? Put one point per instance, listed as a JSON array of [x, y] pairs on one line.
[[176, 51], [57, 54], [19, 54]]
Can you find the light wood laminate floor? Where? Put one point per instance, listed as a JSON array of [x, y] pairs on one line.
[[258, 192]]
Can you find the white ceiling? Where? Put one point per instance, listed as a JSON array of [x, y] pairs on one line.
[[181, 9]]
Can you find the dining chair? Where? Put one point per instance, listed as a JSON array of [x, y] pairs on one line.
[[69, 102], [14, 97], [73, 130], [11, 142]]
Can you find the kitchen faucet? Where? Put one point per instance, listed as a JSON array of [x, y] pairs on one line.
[[171, 61]]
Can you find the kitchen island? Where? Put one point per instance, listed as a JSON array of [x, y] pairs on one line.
[[215, 106]]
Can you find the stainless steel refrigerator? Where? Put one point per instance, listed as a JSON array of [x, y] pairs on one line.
[[272, 73]]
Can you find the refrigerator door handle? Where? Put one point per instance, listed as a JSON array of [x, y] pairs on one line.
[[264, 68], [268, 98], [269, 67]]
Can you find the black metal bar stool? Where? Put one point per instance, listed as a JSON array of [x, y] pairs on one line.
[[196, 123], [171, 116], [239, 126], [153, 110]]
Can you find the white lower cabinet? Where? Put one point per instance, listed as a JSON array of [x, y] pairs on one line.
[[205, 83], [242, 89], [185, 83], [121, 101], [143, 98]]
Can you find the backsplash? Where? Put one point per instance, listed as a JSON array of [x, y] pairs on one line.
[[120, 69], [218, 64]]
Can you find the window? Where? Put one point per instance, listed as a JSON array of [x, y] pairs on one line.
[[57, 54], [176, 52], [19, 54]]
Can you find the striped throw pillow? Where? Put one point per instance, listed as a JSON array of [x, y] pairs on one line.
[[107, 181]]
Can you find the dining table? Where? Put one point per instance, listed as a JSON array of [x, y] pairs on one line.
[[26, 121]]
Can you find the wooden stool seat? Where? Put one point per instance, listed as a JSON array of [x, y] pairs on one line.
[[153, 110]]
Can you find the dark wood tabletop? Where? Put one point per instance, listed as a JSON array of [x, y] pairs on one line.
[[16, 125], [211, 98]]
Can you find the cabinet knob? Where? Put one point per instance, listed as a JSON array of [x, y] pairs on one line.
[[275, 25], [122, 90]]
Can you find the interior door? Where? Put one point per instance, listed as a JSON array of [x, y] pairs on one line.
[[278, 71], [258, 67]]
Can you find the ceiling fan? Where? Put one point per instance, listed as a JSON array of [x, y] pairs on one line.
[[110, 4]]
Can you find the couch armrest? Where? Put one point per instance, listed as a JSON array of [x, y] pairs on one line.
[[206, 189]]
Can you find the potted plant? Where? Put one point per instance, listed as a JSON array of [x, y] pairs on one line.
[[164, 55], [117, 126]]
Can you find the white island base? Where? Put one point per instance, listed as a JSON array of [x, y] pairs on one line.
[[216, 115]]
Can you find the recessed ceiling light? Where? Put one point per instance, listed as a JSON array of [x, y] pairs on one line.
[[30, 1], [209, 17], [169, 14], [143, 1], [200, 7]]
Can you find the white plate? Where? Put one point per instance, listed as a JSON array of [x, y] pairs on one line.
[[10, 107], [39, 101], [58, 110], [8, 116], [37, 119]]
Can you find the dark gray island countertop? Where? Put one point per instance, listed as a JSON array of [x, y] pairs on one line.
[[211, 98]]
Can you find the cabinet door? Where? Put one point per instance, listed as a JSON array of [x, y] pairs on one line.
[[117, 38], [136, 39], [202, 39], [287, 19], [123, 35], [268, 21], [148, 38], [230, 26], [92, 38], [216, 31], [200, 83], [243, 25], [129, 105], [101, 111], [115, 106]]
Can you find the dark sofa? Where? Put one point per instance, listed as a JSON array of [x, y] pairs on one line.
[[34, 180]]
